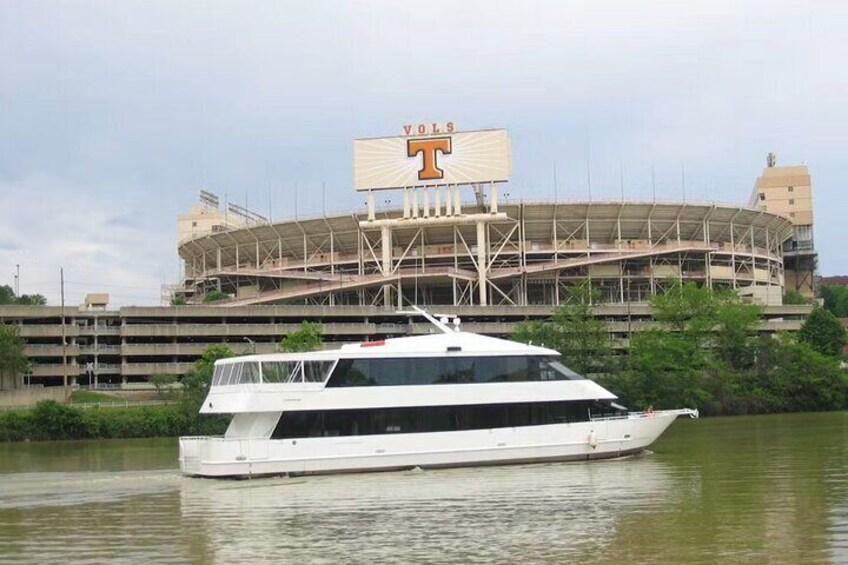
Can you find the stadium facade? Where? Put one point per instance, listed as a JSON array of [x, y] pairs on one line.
[[516, 254]]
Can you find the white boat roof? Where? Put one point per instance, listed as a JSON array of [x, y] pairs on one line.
[[454, 344]]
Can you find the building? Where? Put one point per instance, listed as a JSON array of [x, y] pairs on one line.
[[515, 254], [788, 191]]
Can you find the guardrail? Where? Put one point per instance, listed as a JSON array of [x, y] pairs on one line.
[[119, 404]]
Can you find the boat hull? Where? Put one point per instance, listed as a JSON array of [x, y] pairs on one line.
[[255, 457]]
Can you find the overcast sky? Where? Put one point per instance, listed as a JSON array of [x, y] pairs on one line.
[[114, 114]]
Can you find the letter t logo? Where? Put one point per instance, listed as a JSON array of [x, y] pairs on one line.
[[428, 147]]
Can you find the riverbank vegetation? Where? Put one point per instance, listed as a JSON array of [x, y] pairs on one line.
[[50, 420], [706, 352]]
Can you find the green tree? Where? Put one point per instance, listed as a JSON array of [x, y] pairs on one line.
[[686, 308], [307, 338], [7, 296], [161, 382], [823, 332], [198, 379], [836, 299], [695, 359], [574, 331], [791, 376], [31, 300], [195, 385], [663, 369], [13, 360], [214, 296], [735, 329], [792, 296], [178, 300]]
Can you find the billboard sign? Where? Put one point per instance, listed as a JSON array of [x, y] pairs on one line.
[[442, 158]]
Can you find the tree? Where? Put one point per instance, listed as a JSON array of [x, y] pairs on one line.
[[836, 300], [178, 300], [162, 381], [7, 296], [307, 338], [663, 369], [791, 376], [195, 385], [824, 333], [574, 331], [13, 361], [214, 296], [792, 296], [686, 308], [735, 330]]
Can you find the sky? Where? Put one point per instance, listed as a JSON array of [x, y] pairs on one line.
[[113, 115]]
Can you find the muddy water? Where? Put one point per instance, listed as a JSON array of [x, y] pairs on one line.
[[759, 489]]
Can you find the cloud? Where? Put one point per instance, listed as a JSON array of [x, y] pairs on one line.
[[120, 112], [62, 226]]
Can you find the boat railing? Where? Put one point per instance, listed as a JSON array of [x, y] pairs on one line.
[[691, 412]]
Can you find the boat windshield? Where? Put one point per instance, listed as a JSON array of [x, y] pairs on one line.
[[244, 372]]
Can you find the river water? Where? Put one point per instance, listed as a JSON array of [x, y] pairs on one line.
[[734, 490]]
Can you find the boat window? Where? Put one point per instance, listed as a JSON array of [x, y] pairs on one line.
[[423, 419], [234, 374], [279, 371], [448, 370], [316, 371], [550, 369], [216, 376], [249, 373], [226, 370]]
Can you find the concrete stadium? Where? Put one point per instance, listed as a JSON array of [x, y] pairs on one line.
[[518, 254]]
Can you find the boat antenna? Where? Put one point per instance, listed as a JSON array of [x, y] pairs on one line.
[[442, 326]]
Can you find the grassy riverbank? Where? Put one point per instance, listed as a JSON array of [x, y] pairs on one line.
[[49, 420]]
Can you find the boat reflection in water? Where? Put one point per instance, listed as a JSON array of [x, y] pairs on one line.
[[535, 512]]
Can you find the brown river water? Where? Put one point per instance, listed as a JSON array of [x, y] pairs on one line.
[[764, 489]]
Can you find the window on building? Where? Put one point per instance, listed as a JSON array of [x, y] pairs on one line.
[[762, 196], [791, 201], [790, 188], [791, 214]]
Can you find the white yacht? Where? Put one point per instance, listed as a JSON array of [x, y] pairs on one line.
[[441, 400]]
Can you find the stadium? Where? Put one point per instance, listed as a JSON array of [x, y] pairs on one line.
[[515, 254], [438, 250]]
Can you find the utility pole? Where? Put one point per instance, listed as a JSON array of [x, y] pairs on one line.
[[64, 333], [17, 281]]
